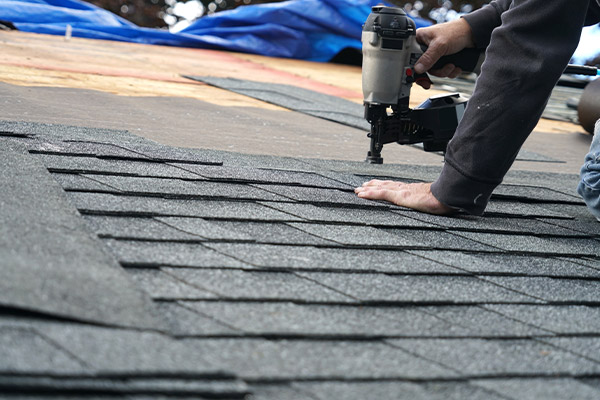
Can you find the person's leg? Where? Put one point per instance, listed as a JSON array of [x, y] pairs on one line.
[[589, 185]]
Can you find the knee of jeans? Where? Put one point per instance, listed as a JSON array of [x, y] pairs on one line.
[[591, 198], [590, 175]]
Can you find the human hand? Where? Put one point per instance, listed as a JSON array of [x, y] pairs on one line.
[[441, 40], [417, 196]]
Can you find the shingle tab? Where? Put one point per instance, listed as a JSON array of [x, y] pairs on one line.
[[206, 229], [172, 154], [91, 149], [313, 258], [396, 390], [170, 254], [24, 351], [546, 388], [131, 352], [588, 347], [160, 285], [558, 319], [552, 289], [441, 240], [81, 183], [135, 228], [531, 244], [326, 320], [586, 227], [529, 210], [319, 196], [494, 224], [264, 232], [263, 175], [358, 235], [103, 203], [181, 188], [238, 284], [483, 321], [534, 193], [88, 165], [185, 321], [378, 217], [510, 264], [480, 357], [293, 359], [417, 289]]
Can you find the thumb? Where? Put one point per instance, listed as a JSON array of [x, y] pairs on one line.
[[433, 53]]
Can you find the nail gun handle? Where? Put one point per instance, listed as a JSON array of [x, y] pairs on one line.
[[467, 59]]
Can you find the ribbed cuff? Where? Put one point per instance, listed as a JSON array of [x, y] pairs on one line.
[[458, 191]]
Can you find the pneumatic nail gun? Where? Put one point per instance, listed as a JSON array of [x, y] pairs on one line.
[[390, 51]]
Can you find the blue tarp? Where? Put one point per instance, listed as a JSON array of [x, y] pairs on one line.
[[314, 30]]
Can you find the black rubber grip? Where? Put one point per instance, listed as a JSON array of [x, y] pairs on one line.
[[466, 59]]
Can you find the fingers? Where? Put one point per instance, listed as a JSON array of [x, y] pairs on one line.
[[449, 71], [417, 196], [381, 190], [442, 39], [380, 183], [434, 52], [424, 83], [377, 194]]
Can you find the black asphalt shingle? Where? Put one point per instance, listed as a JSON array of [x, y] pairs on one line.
[[485, 357], [552, 289], [147, 270], [152, 253], [531, 389], [262, 175], [318, 320], [511, 264], [50, 262], [332, 259], [184, 189], [95, 166], [24, 351], [361, 216], [253, 285], [160, 285], [107, 204], [563, 319], [395, 390], [418, 289], [317, 359]]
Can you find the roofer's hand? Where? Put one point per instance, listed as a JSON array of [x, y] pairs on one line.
[[442, 39], [417, 196]]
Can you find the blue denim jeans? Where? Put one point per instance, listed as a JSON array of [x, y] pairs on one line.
[[589, 186]]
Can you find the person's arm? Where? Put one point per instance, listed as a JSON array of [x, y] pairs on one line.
[[526, 57], [472, 30], [485, 20]]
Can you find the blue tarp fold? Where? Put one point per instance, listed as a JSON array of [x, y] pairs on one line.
[[314, 30]]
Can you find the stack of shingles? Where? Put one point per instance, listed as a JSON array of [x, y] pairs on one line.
[[272, 270]]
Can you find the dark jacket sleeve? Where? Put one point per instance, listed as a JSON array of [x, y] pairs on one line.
[[484, 20], [527, 53]]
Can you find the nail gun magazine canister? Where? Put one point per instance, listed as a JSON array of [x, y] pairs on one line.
[[388, 40]]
